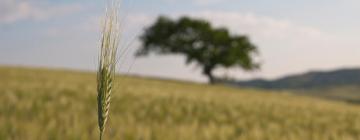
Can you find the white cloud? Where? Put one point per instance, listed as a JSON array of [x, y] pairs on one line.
[[207, 2], [261, 27], [13, 11], [200, 2]]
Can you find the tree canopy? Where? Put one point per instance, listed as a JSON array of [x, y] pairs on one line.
[[209, 47]]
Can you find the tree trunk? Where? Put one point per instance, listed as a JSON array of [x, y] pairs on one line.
[[211, 78], [208, 72]]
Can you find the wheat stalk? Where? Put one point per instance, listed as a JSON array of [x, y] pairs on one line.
[[107, 63]]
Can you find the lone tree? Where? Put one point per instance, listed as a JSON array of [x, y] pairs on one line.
[[199, 42]]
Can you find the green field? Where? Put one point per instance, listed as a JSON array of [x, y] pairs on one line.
[[39, 104]]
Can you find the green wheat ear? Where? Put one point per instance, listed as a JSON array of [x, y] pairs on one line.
[[107, 63]]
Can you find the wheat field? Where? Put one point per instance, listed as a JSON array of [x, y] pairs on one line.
[[40, 104]]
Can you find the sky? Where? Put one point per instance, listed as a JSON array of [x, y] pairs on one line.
[[292, 36]]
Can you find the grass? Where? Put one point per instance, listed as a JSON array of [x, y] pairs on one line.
[[40, 104]]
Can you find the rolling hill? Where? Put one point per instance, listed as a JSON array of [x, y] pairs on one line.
[[343, 84], [43, 104], [310, 80]]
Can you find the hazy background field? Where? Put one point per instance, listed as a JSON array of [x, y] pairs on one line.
[[55, 104]]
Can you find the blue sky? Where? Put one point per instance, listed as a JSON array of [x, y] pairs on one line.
[[293, 36]]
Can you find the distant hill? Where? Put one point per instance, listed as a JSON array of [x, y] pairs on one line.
[[310, 80]]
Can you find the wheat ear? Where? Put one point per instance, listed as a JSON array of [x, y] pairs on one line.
[[107, 63]]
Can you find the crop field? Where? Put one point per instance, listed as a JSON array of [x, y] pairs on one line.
[[41, 104]]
